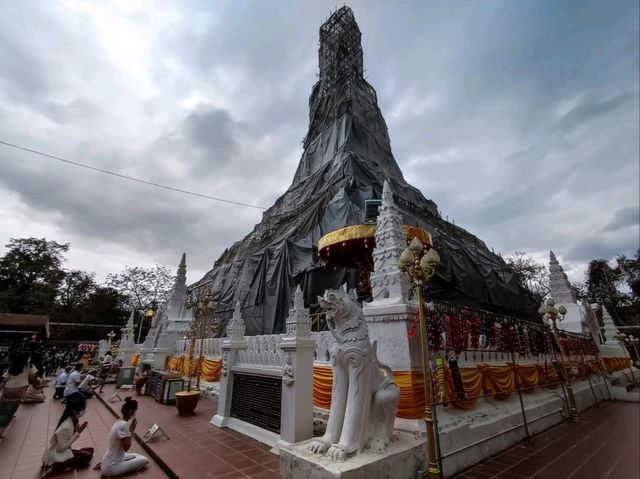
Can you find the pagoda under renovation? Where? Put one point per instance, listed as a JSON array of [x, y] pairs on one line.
[[346, 159]]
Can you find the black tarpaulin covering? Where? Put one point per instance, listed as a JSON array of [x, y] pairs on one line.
[[347, 156]]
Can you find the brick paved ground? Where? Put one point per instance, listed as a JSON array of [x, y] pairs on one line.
[[604, 444], [26, 438], [197, 449]]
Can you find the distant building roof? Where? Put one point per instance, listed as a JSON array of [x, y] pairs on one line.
[[11, 319], [12, 324]]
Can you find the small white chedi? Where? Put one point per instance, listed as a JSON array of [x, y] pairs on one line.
[[364, 398]]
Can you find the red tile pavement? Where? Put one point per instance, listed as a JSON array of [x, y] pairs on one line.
[[26, 438], [603, 444], [196, 448]]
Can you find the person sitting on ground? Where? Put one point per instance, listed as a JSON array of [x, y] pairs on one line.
[[71, 390], [59, 456], [112, 373], [88, 384], [34, 393], [117, 461], [17, 377], [61, 381]]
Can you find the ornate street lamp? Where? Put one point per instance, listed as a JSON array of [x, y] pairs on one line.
[[420, 266], [553, 314], [202, 309], [110, 336]]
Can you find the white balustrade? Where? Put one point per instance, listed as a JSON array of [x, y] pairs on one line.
[[262, 350], [325, 342]]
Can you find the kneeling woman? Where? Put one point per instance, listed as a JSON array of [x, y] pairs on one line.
[[59, 456], [117, 461]]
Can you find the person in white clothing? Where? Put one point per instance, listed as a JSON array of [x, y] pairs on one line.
[[107, 359], [117, 460], [88, 384], [71, 391], [61, 381], [59, 456], [16, 378]]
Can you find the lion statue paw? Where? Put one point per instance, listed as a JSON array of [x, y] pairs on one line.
[[337, 453], [318, 446]]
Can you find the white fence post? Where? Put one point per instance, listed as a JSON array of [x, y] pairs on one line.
[[296, 417], [234, 342]]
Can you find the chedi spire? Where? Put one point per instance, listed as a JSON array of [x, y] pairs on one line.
[[347, 156]]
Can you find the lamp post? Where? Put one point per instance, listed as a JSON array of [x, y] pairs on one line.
[[201, 311], [624, 340], [553, 315], [110, 337], [420, 267]]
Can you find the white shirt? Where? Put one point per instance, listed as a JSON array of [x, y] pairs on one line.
[[107, 359], [21, 380], [62, 378], [115, 453], [59, 449], [72, 383], [86, 382]]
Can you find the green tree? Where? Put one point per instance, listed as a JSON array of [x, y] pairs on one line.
[[603, 286], [630, 270], [534, 276], [143, 288], [30, 274]]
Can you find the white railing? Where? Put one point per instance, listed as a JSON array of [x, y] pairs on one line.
[[261, 350], [324, 343], [211, 347]]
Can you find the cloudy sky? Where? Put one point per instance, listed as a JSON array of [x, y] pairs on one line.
[[518, 118]]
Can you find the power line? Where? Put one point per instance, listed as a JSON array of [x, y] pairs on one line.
[[130, 178]]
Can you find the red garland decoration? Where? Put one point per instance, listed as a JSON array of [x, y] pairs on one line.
[[414, 325], [458, 339], [507, 338], [434, 330], [448, 331]]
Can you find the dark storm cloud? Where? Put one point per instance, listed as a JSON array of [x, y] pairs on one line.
[[624, 217], [213, 129]]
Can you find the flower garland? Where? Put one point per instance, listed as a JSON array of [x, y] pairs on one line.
[[434, 330]]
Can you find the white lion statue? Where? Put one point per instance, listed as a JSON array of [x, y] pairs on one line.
[[364, 398]]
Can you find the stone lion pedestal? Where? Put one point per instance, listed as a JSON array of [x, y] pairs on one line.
[[401, 459]]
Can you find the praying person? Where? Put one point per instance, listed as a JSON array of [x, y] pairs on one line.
[[34, 392], [17, 377], [61, 381], [71, 390], [117, 461], [59, 456], [88, 384]]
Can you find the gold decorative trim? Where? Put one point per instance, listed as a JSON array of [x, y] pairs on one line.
[[347, 233], [368, 231]]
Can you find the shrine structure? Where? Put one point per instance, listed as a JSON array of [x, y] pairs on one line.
[[346, 159]]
